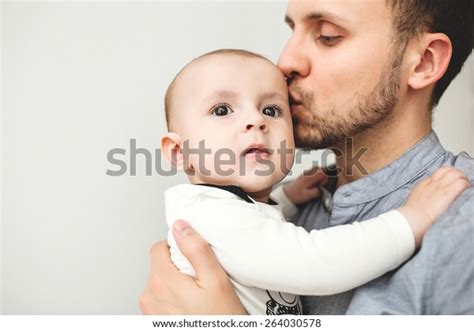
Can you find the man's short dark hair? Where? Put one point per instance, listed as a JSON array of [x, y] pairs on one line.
[[451, 17]]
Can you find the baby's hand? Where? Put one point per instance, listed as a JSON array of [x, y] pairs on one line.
[[306, 187], [431, 197]]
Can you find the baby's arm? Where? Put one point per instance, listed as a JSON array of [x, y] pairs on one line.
[[276, 255]]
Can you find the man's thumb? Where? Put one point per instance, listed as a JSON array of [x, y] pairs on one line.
[[196, 250]]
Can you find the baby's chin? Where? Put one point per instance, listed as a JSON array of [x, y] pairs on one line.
[[255, 183]]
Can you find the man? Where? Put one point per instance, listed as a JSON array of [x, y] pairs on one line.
[[364, 78]]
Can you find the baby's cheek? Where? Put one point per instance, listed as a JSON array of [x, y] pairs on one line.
[[290, 159], [286, 155], [225, 165], [285, 164], [199, 160]]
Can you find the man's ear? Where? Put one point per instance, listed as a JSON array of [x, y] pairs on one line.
[[430, 60], [171, 150]]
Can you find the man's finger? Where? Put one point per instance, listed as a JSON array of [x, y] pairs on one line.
[[160, 261], [197, 251]]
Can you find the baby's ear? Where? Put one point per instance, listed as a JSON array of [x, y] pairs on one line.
[[171, 150]]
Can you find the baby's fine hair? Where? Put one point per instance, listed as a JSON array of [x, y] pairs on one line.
[[172, 86]]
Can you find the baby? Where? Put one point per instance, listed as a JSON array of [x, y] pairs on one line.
[[230, 130]]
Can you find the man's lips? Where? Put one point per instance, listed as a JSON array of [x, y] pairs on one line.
[[296, 102], [294, 99]]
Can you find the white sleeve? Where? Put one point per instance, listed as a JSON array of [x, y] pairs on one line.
[[275, 255], [287, 207]]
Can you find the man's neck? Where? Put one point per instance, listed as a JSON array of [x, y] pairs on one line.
[[375, 148]]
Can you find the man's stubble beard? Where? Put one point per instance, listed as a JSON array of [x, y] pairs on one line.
[[330, 127]]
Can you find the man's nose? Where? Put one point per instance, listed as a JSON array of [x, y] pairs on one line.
[[294, 60]]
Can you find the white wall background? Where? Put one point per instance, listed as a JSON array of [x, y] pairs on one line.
[[1, 158], [81, 78]]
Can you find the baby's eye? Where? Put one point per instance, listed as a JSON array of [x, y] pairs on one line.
[[221, 110], [272, 111]]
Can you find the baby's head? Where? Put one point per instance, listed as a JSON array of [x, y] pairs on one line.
[[228, 119]]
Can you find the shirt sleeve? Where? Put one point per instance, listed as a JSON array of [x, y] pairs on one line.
[[274, 255], [288, 208]]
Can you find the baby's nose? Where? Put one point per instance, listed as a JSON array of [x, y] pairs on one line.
[[256, 120], [262, 126]]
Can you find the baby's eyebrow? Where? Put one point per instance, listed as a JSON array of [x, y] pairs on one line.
[[272, 95], [224, 93], [220, 94]]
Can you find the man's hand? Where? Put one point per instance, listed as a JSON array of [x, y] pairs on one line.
[[170, 292], [306, 187]]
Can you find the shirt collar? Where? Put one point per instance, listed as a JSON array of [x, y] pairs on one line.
[[410, 165], [237, 190]]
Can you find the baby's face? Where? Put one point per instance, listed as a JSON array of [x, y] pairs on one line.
[[239, 108]]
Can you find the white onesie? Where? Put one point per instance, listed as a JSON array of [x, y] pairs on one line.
[[270, 261]]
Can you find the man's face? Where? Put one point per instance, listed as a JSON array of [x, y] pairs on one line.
[[342, 66]]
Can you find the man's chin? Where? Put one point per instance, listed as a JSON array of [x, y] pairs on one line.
[[309, 139]]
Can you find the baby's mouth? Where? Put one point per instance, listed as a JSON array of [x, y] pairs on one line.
[[256, 150]]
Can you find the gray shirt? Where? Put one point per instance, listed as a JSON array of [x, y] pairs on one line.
[[439, 279]]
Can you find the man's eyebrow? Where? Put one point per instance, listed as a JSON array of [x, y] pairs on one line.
[[321, 15], [317, 16]]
